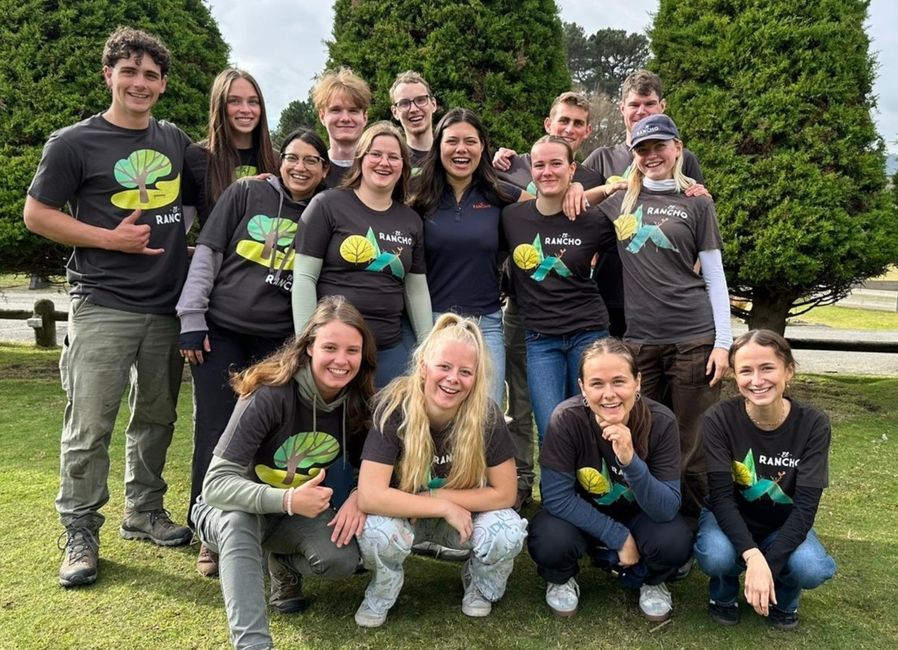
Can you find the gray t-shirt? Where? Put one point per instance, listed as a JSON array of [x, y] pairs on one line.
[[104, 172], [616, 161], [658, 243]]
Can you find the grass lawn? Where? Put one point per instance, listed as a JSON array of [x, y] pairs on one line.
[[848, 318], [148, 597]]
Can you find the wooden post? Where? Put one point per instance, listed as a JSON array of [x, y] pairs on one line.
[[45, 334]]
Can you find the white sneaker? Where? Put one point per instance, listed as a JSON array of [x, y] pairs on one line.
[[655, 602], [563, 599], [367, 617], [473, 603]]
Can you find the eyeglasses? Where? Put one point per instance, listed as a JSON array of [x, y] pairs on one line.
[[392, 158], [420, 101], [307, 161]]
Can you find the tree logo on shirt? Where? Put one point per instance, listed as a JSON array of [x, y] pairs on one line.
[[140, 173], [601, 488], [356, 249], [629, 226], [242, 171], [299, 459], [269, 235], [530, 256], [745, 476]]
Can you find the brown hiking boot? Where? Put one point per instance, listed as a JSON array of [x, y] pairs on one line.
[[286, 587], [207, 562], [156, 526], [81, 555]]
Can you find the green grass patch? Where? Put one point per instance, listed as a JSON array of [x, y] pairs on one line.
[[848, 318], [148, 597]]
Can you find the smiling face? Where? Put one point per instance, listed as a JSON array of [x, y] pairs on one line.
[[460, 151], [415, 119], [136, 84], [343, 119], [244, 108], [449, 376], [610, 387], [551, 169], [299, 175], [761, 375], [382, 164], [336, 356], [657, 159], [570, 123], [634, 107]]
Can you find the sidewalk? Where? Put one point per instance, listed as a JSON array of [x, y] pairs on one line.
[[812, 361]]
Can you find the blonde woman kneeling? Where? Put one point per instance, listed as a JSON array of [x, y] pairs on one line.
[[438, 465]]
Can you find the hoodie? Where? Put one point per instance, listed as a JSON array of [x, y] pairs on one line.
[[279, 437], [242, 271]]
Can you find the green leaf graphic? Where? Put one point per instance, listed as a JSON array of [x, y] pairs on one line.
[[141, 168], [305, 449], [371, 238]]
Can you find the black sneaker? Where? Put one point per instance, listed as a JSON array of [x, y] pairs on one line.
[[782, 620], [286, 587], [156, 526], [723, 614], [81, 555]]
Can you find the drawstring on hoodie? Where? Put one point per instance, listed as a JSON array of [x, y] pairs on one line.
[[274, 182]]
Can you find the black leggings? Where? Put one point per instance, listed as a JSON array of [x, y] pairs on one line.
[[557, 546]]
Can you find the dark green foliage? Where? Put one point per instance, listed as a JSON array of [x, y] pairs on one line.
[[299, 112], [503, 59], [774, 97], [600, 62], [51, 77]]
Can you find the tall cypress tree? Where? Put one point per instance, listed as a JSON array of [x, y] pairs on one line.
[[503, 59], [51, 77], [774, 97]]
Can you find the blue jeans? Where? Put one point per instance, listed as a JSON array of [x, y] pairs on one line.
[[809, 565], [553, 367], [391, 363], [494, 338]]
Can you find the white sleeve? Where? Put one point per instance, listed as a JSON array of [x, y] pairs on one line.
[[716, 286]]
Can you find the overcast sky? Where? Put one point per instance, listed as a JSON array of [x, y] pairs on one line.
[[281, 42]]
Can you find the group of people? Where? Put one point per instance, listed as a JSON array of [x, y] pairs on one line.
[[352, 313]]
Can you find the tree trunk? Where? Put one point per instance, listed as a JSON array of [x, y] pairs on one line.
[[769, 312]]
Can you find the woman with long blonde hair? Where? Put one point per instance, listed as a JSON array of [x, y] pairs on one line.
[[281, 477], [438, 465]]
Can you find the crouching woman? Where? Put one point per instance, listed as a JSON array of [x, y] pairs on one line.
[[281, 476], [438, 466]]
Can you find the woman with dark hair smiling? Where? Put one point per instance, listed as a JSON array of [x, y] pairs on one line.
[[235, 305], [237, 144]]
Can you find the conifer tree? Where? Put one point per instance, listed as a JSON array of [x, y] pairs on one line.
[[774, 97], [503, 59], [51, 77]]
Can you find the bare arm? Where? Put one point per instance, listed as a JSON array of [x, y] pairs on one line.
[[56, 225], [499, 492]]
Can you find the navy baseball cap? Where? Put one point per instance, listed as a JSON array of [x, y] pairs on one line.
[[654, 127]]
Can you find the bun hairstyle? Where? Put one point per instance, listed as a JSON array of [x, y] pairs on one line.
[[640, 419], [405, 396]]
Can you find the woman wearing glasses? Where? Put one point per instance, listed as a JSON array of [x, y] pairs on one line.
[[235, 305], [362, 242]]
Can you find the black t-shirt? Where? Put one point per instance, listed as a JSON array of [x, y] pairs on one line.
[[196, 176], [767, 465], [386, 446], [659, 243], [104, 172], [574, 445], [253, 226], [366, 255], [282, 442], [551, 263]]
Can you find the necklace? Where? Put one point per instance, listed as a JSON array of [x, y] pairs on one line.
[[767, 425]]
